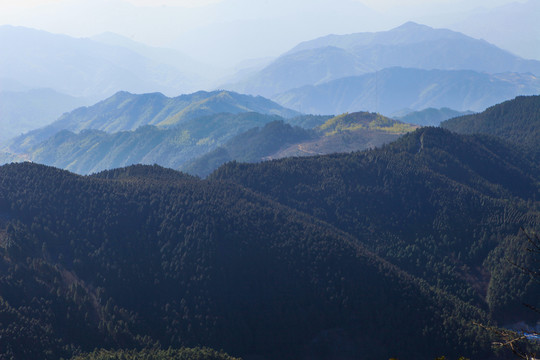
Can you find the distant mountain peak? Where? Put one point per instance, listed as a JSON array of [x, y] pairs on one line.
[[125, 95], [412, 25], [405, 33], [414, 32], [122, 93]]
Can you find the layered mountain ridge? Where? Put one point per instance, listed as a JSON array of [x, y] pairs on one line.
[[274, 259], [83, 67], [343, 133], [394, 89], [317, 237], [127, 112], [410, 46]]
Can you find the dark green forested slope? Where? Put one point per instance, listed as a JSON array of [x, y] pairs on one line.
[[148, 257], [170, 354], [517, 121], [445, 207], [250, 146]]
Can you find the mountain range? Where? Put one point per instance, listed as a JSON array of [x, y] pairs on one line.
[[196, 132], [394, 89], [127, 112], [328, 220], [410, 45], [343, 133], [47, 74], [335, 256], [83, 67], [516, 121], [396, 251], [90, 151], [324, 68], [116, 133]]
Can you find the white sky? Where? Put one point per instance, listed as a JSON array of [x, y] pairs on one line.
[[227, 31]]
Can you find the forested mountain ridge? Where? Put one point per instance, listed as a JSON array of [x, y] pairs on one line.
[[129, 128], [343, 133], [251, 146], [517, 121], [445, 207], [122, 111], [143, 256], [94, 150], [127, 112], [202, 144]]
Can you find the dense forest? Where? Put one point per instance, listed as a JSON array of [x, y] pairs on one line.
[[152, 354], [145, 256], [444, 207], [517, 121], [250, 146], [394, 252]]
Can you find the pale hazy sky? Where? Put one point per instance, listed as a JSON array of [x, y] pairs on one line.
[[227, 31], [376, 4]]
